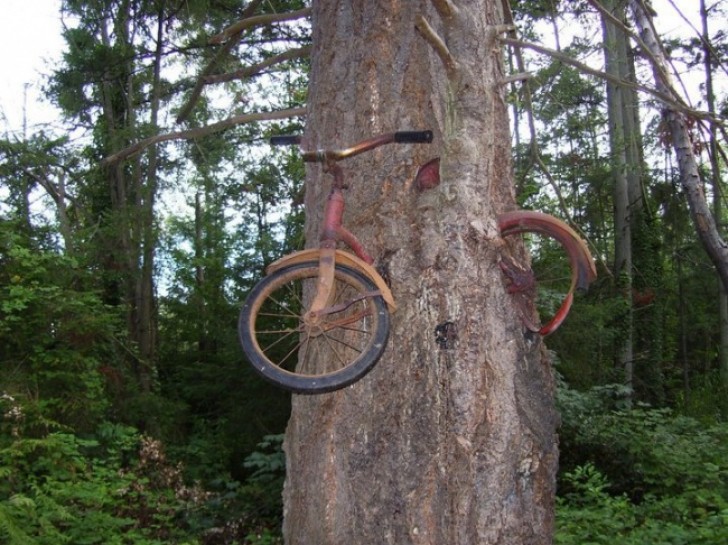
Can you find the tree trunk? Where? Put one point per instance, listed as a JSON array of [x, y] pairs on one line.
[[637, 262], [439, 444], [705, 224], [618, 138], [717, 189]]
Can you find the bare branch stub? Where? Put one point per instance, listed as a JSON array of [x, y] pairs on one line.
[[438, 44], [445, 8]]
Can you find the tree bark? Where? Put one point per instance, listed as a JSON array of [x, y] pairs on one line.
[[717, 186], [618, 137], [447, 444]]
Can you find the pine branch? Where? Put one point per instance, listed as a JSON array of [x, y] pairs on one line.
[[200, 83], [199, 132]]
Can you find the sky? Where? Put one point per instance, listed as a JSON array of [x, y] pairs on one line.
[[30, 43]]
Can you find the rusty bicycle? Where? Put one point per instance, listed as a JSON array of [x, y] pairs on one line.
[[322, 300], [320, 318]]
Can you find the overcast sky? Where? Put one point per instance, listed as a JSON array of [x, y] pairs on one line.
[[30, 35]]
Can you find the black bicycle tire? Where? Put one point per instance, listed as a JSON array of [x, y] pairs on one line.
[[311, 384]]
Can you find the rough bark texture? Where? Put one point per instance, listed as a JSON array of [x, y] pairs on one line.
[[437, 445]]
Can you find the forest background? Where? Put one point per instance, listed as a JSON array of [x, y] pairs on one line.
[[127, 411]]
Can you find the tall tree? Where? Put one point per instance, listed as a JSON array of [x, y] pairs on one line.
[[111, 83], [677, 119], [715, 175], [619, 135], [636, 266], [441, 443]]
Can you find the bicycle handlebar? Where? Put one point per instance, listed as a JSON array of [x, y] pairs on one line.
[[322, 156], [413, 137], [285, 140]]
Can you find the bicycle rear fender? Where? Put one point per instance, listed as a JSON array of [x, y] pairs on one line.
[[342, 258]]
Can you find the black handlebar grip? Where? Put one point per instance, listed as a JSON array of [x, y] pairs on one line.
[[285, 140], [413, 137]]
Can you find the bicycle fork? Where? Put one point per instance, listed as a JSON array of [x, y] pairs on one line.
[[332, 232]]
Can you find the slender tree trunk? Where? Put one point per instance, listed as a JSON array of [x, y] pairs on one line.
[[147, 232], [717, 186], [637, 260], [618, 137], [705, 224], [132, 188], [450, 444], [683, 329]]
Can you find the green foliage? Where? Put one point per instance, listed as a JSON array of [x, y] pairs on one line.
[[640, 476], [119, 486], [63, 489], [56, 339]]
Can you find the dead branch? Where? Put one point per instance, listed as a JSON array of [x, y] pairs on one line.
[[437, 43], [700, 213], [643, 47], [220, 55], [706, 43], [664, 96], [199, 132], [258, 20], [254, 69]]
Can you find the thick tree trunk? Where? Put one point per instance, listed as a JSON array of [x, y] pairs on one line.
[[439, 444]]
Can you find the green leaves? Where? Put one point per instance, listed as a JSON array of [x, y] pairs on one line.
[[639, 476]]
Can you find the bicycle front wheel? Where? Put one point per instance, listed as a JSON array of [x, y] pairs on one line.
[[560, 264], [338, 349]]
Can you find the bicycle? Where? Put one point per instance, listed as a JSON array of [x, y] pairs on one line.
[[320, 318]]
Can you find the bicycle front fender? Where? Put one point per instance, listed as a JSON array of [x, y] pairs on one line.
[[342, 258]]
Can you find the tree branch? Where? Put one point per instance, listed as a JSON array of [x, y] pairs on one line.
[[643, 47], [429, 34], [221, 54], [254, 69], [200, 132], [700, 213], [258, 20], [664, 96], [445, 8]]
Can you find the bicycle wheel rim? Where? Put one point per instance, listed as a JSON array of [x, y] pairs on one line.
[[281, 349]]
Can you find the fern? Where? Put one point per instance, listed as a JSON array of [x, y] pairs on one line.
[[10, 532]]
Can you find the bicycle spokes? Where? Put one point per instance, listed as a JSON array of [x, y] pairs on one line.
[[308, 343]]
